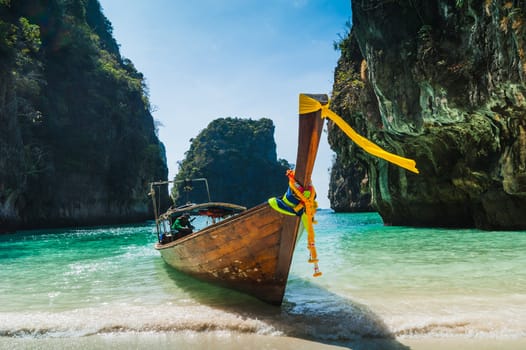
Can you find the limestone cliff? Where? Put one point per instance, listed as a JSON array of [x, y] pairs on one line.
[[238, 158], [77, 139], [442, 82]]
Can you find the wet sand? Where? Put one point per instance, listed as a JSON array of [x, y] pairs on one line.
[[465, 344], [228, 341]]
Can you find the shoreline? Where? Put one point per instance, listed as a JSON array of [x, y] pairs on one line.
[[228, 341], [464, 343]]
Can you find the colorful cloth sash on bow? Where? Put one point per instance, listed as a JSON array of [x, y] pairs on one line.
[[310, 105]]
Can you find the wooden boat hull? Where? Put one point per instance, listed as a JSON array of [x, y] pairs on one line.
[[250, 252]]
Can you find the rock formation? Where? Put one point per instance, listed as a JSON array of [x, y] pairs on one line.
[[238, 158], [442, 82], [77, 139]]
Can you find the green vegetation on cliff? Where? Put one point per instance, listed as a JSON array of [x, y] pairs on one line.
[[238, 158], [78, 142]]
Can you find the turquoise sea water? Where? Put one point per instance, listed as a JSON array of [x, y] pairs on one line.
[[378, 282]]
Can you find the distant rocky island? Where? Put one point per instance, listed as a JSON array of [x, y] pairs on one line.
[[238, 158], [441, 82]]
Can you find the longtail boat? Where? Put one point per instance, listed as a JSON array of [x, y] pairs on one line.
[[251, 250]]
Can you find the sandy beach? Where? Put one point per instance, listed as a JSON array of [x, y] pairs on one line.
[[222, 341]]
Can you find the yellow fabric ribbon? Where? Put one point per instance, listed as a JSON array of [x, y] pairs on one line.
[[307, 198], [309, 105]]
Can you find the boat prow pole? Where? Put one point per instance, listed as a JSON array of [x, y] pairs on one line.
[[309, 133]]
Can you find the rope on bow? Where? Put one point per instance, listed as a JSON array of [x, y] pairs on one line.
[[307, 199]]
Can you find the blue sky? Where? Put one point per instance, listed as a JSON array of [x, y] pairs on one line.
[[207, 59]]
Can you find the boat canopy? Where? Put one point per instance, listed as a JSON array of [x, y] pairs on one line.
[[211, 209]]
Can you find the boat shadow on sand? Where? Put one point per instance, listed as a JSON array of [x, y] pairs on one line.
[[308, 312]]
